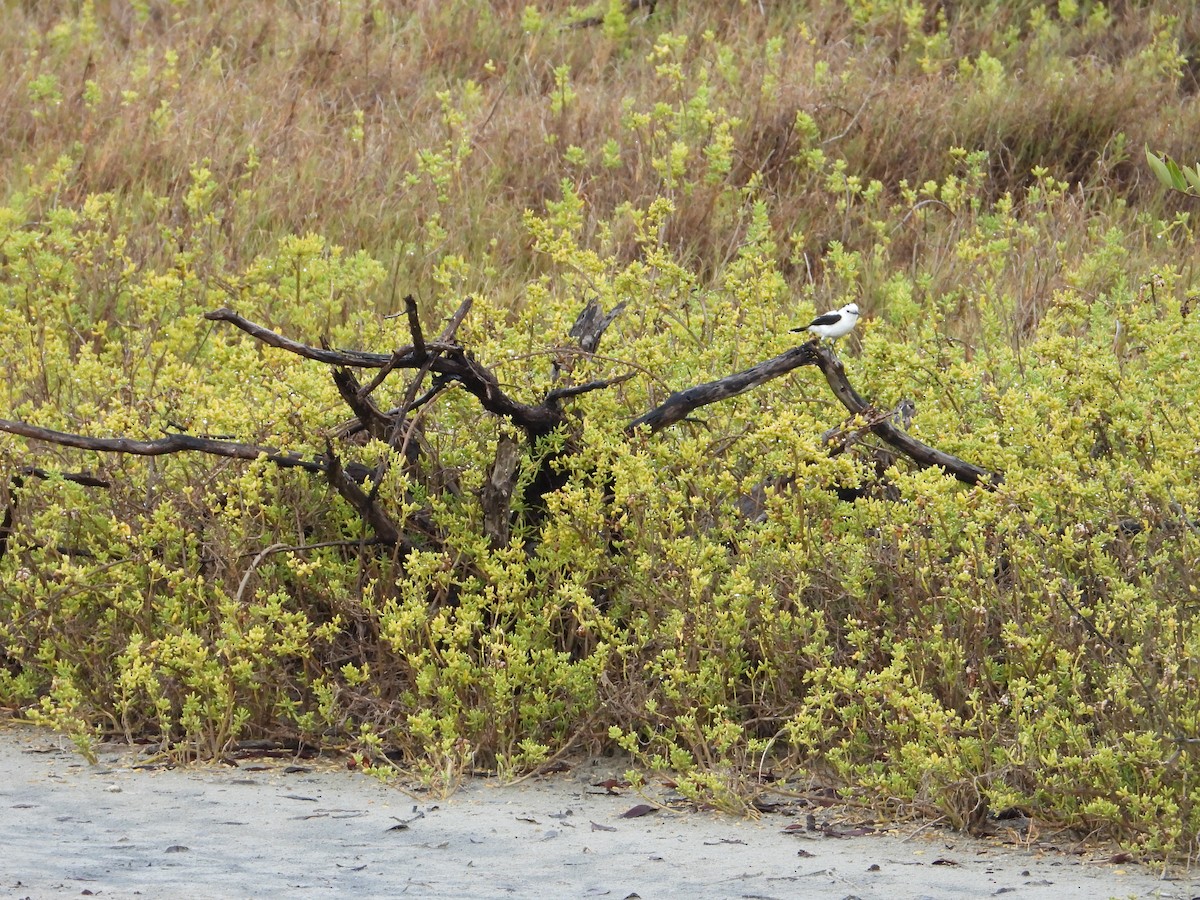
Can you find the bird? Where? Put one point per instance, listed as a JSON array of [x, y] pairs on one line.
[[834, 324]]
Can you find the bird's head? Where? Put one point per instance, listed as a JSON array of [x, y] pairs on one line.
[[850, 310]]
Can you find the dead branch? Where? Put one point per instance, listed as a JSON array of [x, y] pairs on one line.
[[448, 359], [591, 324], [456, 320], [369, 416], [369, 388], [172, 443], [681, 403], [840, 438], [922, 454], [497, 491], [564, 393], [385, 529], [414, 327], [449, 363]]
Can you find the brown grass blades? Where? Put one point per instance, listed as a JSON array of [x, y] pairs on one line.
[[421, 134]]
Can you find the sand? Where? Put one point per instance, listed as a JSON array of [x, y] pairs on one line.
[[303, 828]]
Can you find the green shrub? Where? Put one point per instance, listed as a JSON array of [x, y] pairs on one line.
[[699, 597]]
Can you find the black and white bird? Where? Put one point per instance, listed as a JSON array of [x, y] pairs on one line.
[[833, 324]]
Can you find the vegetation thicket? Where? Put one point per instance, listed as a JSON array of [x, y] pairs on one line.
[[708, 598]]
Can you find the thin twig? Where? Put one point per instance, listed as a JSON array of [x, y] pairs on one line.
[[250, 570], [564, 392], [320, 545], [447, 334], [837, 137], [369, 388], [173, 443]]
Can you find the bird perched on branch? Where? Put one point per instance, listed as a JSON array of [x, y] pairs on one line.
[[833, 324]]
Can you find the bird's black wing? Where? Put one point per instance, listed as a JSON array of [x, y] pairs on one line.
[[829, 318]]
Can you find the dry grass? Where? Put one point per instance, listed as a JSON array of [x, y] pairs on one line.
[[269, 95]]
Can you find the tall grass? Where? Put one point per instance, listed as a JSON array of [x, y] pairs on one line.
[[336, 116]]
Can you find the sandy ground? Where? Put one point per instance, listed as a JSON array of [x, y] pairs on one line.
[[297, 828]]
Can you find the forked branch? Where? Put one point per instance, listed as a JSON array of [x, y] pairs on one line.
[[682, 403], [443, 358]]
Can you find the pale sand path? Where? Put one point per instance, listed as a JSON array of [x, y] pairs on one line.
[[70, 829]]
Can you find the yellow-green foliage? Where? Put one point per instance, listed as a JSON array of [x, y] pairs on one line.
[[699, 597]]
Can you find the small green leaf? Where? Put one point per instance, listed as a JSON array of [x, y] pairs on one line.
[[1192, 173], [1177, 180], [1159, 168]]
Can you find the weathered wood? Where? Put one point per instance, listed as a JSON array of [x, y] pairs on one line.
[[375, 421], [922, 454], [563, 393], [496, 497], [681, 403], [591, 324], [444, 359], [368, 510], [172, 443], [449, 362]]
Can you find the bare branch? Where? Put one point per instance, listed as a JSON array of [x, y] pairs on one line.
[[389, 367], [376, 422], [563, 393], [922, 454], [448, 332], [840, 438], [82, 478], [447, 359], [350, 358], [496, 495], [173, 443], [681, 403], [414, 328], [385, 529], [591, 324], [418, 351]]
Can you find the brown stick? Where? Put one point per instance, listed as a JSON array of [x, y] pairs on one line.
[[414, 327], [922, 454], [448, 332], [496, 495], [447, 359], [681, 403], [385, 529], [564, 393], [172, 443], [377, 423]]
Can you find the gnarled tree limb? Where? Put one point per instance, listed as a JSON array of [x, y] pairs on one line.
[[922, 454], [449, 362], [681, 403], [368, 510], [172, 443], [447, 359]]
